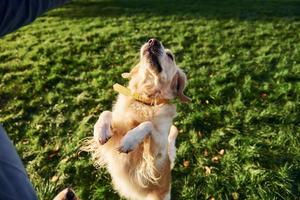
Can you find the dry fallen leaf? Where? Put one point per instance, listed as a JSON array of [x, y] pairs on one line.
[[25, 142], [186, 163], [207, 170], [235, 195], [54, 178], [263, 95], [215, 159], [221, 152], [65, 160], [56, 148], [200, 134], [205, 152]]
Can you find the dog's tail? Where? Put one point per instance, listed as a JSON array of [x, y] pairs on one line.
[[94, 148]]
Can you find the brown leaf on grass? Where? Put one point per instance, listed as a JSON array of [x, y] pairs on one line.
[[186, 163], [263, 95], [200, 134], [54, 152], [215, 159], [205, 152], [207, 170], [221, 152], [39, 126], [65, 160], [56, 148], [52, 155], [54, 178], [25, 142], [235, 195]]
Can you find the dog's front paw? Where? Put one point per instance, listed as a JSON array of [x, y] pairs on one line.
[[128, 144], [124, 149], [102, 132]]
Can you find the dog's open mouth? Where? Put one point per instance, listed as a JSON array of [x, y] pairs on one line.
[[152, 51]]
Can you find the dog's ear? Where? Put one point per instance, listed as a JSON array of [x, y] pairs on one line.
[[178, 85], [133, 71]]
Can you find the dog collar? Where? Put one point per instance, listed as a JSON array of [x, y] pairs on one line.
[[127, 92]]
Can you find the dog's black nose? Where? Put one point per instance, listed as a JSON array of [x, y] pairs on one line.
[[70, 195], [153, 42]]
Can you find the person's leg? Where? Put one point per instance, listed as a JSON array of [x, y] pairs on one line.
[[14, 182], [17, 13]]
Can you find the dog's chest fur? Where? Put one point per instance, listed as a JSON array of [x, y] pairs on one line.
[[135, 168], [152, 113], [161, 116]]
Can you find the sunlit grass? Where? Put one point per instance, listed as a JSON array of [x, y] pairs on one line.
[[239, 138]]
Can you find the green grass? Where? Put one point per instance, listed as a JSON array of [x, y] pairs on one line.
[[243, 64]]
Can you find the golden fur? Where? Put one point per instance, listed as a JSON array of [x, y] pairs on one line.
[[135, 142]]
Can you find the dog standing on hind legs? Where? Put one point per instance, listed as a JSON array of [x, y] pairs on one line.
[[136, 141]]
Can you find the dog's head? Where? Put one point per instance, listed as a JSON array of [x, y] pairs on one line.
[[157, 75]]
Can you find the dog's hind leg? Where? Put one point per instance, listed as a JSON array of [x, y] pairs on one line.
[[135, 136], [102, 128], [172, 148]]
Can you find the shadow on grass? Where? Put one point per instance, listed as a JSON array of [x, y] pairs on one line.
[[227, 9]]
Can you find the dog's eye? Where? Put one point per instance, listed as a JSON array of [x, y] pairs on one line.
[[170, 55]]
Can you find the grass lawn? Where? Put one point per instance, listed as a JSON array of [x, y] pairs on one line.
[[239, 138]]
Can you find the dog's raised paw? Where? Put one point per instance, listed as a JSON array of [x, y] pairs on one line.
[[126, 146], [102, 133], [121, 149]]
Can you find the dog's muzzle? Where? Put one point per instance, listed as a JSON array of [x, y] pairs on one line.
[[152, 51]]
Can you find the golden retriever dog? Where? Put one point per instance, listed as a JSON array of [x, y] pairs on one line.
[[136, 141]]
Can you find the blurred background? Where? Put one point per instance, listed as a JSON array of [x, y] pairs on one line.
[[240, 136]]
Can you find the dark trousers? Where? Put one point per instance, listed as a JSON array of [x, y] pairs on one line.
[[14, 182], [17, 13]]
